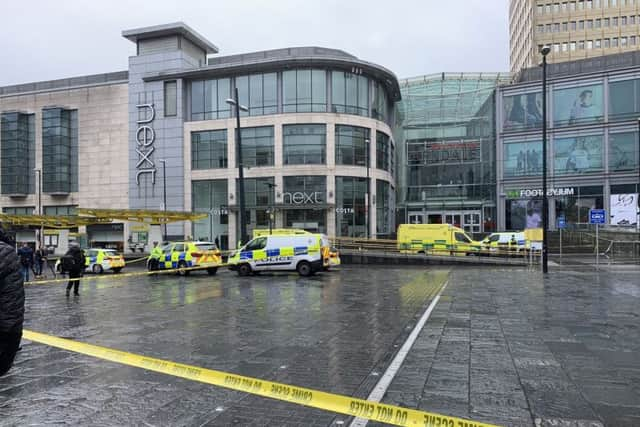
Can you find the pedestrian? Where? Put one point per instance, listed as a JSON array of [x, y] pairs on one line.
[[217, 242], [40, 257], [155, 256], [73, 263], [25, 253], [11, 303]]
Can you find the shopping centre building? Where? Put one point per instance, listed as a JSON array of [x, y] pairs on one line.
[[593, 160], [317, 143]]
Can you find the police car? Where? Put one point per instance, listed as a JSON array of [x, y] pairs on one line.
[[505, 243], [188, 254], [99, 260], [304, 253]]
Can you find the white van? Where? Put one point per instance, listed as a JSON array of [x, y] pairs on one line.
[[304, 253]]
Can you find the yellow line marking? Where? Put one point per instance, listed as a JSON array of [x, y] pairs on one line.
[[390, 414]]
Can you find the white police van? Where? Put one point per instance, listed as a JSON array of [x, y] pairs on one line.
[[304, 253]]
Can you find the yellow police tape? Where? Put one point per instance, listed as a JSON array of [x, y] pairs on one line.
[[390, 414], [125, 275]]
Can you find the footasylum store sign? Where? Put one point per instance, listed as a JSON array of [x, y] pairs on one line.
[[537, 192]]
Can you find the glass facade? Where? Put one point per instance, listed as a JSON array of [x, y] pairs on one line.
[[349, 93], [209, 149], [578, 105], [257, 146], [352, 145], [522, 111], [259, 200], [60, 210], [258, 92], [208, 99], [304, 199], [624, 99], [351, 209], [623, 151], [384, 152], [383, 213], [304, 90], [59, 150], [304, 144], [577, 155], [522, 158], [18, 153], [576, 208], [210, 196]]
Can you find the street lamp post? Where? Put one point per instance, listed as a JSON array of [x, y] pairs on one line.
[[236, 103], [39, 183], [164, 195], [271, 207], [545, 202]]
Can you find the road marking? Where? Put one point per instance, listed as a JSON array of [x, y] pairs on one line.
[[384, 382], [390, 414]]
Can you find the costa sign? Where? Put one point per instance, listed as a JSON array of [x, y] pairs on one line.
[[302, 198], [145, 137]]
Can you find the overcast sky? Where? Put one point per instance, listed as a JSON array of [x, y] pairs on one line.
[[44, 39]]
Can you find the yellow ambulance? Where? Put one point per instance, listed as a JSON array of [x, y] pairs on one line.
[[436, 239]]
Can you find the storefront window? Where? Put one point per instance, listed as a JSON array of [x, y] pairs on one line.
[[304, 198], [259, 199], [623, 151], [257, 146], [578, 105], [383, 151], [258, 92], [304, 144], [352, 145], [383, 222], [522, 111], [523, 214], [209, 149], [211, 197], [208, 99], [575, 209], [624, 99], [349, 93], [581, 154], [522, 158], [304, 91], [351, 206]]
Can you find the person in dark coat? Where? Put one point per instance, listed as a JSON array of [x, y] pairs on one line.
[[78, 267], [25, 253], [11, 302]]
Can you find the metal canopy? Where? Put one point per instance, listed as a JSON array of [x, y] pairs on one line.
[[51, 221], [142, 215]]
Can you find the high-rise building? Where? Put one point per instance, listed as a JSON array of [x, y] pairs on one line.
[[573, 29]]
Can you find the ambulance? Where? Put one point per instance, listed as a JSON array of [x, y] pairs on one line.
[[189, 254], [305, 253], [436, 239]]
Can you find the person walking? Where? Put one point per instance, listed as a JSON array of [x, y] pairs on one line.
[[25, 253], [11, 302], [39, 257], [73, 263]]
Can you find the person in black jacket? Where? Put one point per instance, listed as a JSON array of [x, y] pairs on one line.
[[11, 303], [75, 272]]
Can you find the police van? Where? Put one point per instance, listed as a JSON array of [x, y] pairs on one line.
[[304, 253]]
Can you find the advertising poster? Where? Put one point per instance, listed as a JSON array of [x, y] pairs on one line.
[[624, 208], [577, 105], [578, 155], [523, 158], [522, 111], [526, 214], [622, 151]]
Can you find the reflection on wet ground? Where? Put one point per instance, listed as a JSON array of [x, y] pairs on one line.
[[328, 332]]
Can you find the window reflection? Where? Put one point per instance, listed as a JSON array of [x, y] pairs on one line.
[[349, 93], [352, 145], [304, 144]]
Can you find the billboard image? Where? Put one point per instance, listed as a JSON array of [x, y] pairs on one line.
[[577, 105], [578, 155], [522, 111], [624, 208], [523, 158], [525, 214]]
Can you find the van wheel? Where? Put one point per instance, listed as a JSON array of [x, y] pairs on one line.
[[244, 270], [304, 268], [97, 269], [182, 264], [212, 271]]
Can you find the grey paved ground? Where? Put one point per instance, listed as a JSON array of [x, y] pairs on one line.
[[502, 346], [511, 348], [328, 332]]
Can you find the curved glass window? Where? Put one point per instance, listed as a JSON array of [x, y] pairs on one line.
[[209, 149], [577, 155], [383, 152], [208, 99], [352, 145], [379, 109], [349, 93], [257, 146], [304, 144], [259, 92], [304, 91]]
